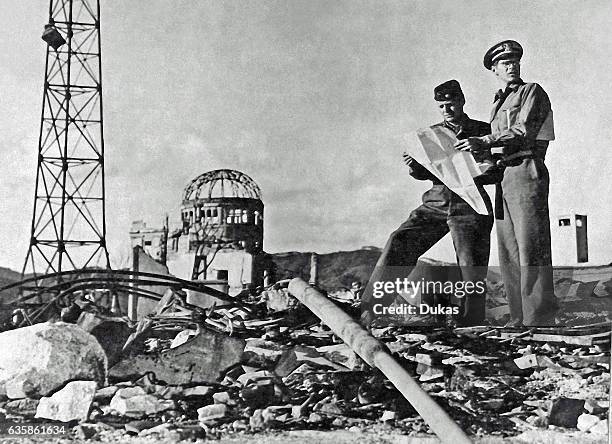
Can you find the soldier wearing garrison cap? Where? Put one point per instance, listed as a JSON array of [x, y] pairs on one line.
[[521, 128], [442, 212]]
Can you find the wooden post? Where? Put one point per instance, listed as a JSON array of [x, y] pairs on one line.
[[314, 269], [376, 355], [132, 308]]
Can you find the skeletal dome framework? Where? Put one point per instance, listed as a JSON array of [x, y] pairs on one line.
[[223, 208], [222, 184]]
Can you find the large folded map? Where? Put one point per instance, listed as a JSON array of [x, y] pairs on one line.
[[433, 148]]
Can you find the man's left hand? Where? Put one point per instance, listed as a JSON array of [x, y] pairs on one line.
[[474, 144]]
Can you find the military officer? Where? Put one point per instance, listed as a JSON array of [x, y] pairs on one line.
[[521, 127], [442, 211]]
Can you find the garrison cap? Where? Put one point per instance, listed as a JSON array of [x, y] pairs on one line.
[[450, 90], [503, 50]]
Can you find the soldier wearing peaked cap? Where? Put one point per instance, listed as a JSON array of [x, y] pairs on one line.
[[442, 212], [521, 128]]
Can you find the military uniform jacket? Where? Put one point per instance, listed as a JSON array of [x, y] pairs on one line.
[[518, 117], [440, 198]]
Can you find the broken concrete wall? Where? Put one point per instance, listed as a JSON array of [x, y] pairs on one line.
[[147, 264]]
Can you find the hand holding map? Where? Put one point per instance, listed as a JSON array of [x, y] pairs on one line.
[[434, 149]]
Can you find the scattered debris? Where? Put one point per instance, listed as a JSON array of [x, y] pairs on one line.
[[188, 373], [199, 360]]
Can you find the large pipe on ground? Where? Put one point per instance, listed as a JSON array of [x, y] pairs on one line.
[[376, 355]]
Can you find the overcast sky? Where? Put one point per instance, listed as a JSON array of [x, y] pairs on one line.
[[309, 98]]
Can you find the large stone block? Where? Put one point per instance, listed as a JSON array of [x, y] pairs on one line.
[[38, 359]]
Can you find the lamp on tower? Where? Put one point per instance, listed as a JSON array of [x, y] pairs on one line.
[[53, 37]]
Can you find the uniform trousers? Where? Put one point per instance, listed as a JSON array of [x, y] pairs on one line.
[[523, 235], [425, 226]]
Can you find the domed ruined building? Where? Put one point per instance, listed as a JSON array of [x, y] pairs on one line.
[[220, 239]]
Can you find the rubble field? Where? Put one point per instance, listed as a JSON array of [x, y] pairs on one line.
[[259, 375]]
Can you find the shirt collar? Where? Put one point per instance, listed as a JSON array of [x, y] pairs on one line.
[[511, 87], [460, 126]]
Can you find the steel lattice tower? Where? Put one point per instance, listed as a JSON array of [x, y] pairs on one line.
[[68, 224]]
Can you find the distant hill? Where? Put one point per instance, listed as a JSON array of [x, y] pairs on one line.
[[7, 277], [339, 269], [336, 270]]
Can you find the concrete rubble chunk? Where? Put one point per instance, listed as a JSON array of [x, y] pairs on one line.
[[106, 392], [594, 407], [72, 403], [239, 426], [134, 402], [387, 415], [211, 412], [294, 358], [261, 395], [527, 361], [429, 373], [172, 433], [256, 421], [49, 354], [314, 418], [199, 360], [330, 408], [601, 428], [586, 422], [24, 407], [258, 375], [91, 430], [167, 392], [200, 390], [136, 427], [564, 412], [341, 354], [261, 352], [427, 359], [222, 398]]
